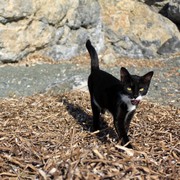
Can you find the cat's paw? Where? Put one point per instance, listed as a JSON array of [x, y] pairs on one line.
[[125, 142], [95, 127], [129, 146]]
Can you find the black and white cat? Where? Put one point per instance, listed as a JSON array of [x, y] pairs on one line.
[[120, 98]]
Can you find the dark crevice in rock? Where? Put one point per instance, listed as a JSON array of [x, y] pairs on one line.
[[5, 61], [11, 19]]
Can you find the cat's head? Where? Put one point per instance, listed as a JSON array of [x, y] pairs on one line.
[[135, 87]]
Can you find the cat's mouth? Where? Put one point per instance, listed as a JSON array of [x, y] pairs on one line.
[[135, 102]]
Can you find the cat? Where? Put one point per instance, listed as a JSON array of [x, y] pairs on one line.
[[119, 97]]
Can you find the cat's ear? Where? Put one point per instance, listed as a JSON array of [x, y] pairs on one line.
[[124, 74], [147, 77]]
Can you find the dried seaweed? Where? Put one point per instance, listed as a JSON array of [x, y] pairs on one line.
[[49, 137]]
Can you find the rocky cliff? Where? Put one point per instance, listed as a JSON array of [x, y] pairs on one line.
[[59, 29], [134, 29]]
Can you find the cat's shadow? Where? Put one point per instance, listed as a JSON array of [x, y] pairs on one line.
[[85, 120]]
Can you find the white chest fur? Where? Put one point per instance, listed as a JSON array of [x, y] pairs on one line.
[[127, 100]]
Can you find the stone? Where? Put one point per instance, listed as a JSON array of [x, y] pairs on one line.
[[59, 29], [171, 46], [15, 10], [109, 58], [174, 11], [132, 29], [157, 5], [168, 8]]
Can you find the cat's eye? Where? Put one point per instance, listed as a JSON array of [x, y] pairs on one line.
[[141, 89], [129, 89]]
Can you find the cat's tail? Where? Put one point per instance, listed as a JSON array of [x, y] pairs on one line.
[[93, 55]]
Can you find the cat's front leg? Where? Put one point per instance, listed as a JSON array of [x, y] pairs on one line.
[[119, 123], [128, 119]]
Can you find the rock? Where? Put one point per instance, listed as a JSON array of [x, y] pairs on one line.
[[171, 46], [174, 11], [168, 8], [13, 11], [109, 58], [132, 29], [59, 29], [40, 78], [158, 6]]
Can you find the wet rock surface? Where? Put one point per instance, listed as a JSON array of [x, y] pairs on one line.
[[18, 80], [26, 81]]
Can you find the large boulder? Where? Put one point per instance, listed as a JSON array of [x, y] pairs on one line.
[[57, 29], [60, 28], [134, 30]]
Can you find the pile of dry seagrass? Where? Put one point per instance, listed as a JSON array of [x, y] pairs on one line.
[[49, 137]]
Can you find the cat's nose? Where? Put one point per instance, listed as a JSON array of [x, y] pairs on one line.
[[135, 96]]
